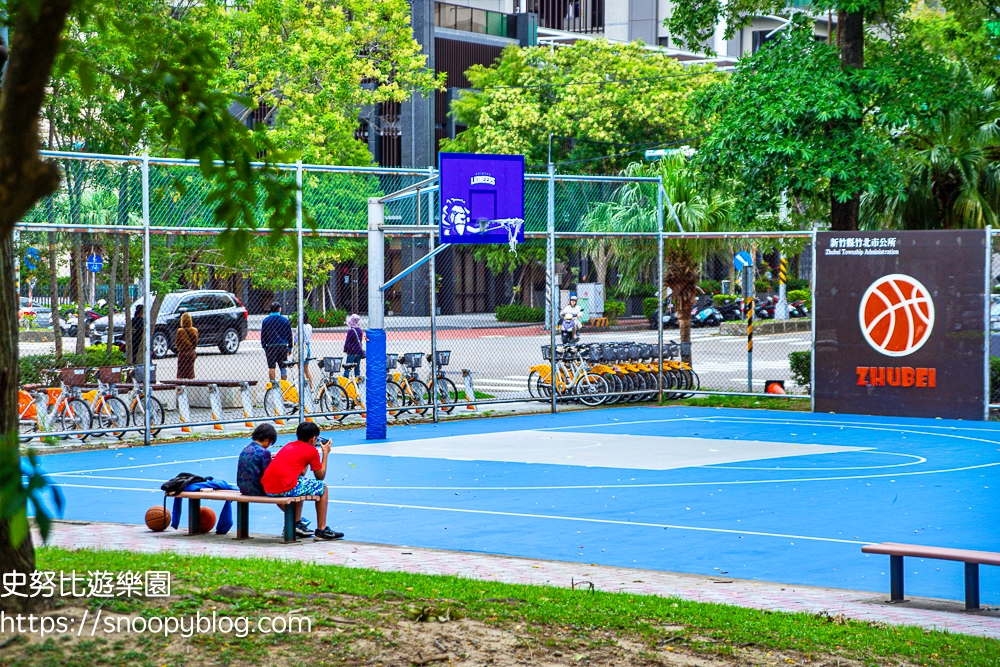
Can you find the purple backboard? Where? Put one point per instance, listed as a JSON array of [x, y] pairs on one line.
[[482, 198]]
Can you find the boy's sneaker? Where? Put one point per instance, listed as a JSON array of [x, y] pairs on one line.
[[302, 529], [327, 534]]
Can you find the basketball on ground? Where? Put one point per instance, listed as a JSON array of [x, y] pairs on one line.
[[157, 518], [207, 520]]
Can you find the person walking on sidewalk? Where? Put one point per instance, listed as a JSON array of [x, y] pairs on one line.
[[354, 346], [276, 339], [186, 342]]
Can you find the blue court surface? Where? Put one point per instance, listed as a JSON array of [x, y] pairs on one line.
[[774, 496]]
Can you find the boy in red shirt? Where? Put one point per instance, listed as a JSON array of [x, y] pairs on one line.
[[285, 476]]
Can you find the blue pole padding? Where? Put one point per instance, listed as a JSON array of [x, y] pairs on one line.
[[375, 386]]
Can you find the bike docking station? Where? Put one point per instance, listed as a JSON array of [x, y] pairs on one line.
[[481, 200]]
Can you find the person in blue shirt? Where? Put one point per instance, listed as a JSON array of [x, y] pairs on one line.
[[253, 461], [276, 339]]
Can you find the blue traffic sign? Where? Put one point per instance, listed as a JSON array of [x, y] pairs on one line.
[[94, 263], [741, 259], [31, 258]]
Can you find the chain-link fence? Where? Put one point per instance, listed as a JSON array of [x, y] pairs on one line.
[[269, 333]]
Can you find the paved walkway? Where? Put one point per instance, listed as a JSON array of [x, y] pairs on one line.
[[926, 613]]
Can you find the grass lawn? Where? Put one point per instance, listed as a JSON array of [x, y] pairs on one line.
[[750, 402], [364, 617]]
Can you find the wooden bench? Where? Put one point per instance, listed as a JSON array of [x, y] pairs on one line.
[[972, 560], [242, 510]]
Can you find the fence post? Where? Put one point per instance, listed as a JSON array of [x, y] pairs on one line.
[[813, 283], [300, 292], [433, 301], [659, 289], [989, 332], [146, 301], [550, 280], [375, 407]]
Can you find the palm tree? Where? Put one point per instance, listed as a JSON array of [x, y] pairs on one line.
[[695, 208], [952, 172]]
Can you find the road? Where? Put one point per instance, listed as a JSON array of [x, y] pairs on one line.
[[500, 359]]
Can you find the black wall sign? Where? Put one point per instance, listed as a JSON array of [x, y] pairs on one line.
[[901, 321]]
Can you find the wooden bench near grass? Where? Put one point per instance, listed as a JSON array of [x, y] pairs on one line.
[[972, 560], [242, 509]]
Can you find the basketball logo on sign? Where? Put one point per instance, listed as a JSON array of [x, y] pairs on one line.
[[896, 315]]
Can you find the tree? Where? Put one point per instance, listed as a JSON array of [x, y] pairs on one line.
[[967, 32], [172, 94], [311, 67], [697, 207], [601, 102], [793, 122], [951, 164]]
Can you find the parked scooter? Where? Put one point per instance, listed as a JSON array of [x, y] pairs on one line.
[[706, 316]]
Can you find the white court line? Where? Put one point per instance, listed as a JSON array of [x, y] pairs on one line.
[[145, 465], [111, 488], [919, 460], [902, 428], [525, 515], [651, 485]]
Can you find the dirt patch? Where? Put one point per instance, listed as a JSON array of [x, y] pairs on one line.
[[332, 629]]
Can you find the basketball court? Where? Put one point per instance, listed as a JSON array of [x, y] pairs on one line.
[[771, 496]]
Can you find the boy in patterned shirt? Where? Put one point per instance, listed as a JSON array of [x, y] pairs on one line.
[[254, 460]]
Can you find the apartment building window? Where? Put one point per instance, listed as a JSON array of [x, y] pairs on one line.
[[760, 37], [470, 19], [585, 16]]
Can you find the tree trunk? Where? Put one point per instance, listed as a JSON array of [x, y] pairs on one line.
[[601, 258], [24, 180], [851, 33], [57, 331], [81, 317], [112, 288], [21, 558], [682, 277]]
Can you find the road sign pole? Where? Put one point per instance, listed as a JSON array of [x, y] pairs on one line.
[[747, 280]]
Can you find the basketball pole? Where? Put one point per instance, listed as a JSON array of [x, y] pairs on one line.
[[375, 407]]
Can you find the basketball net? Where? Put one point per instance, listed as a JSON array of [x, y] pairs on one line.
[[513, 226]]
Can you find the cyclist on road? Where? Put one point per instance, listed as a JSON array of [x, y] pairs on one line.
[[276, 339]]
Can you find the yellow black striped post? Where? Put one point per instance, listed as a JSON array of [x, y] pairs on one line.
[[782, 270]]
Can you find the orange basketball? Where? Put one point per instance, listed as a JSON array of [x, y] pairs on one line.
[[896, 315], [207, 520], [157, 518]]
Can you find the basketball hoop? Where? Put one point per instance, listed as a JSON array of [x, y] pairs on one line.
[[513, 227]]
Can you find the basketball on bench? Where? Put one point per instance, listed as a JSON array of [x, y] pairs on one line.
[[157, 518], [207, 520]]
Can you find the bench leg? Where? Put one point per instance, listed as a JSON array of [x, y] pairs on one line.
[[896, 578], [242, 521], [972, 586], [194, 516], [289, 533]]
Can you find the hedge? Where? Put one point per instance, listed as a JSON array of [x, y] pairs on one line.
[[723, 299], [322, 320], [801, 366], [32, 365], [612, 309], [800, 363], [515, 312], [800, 295]]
